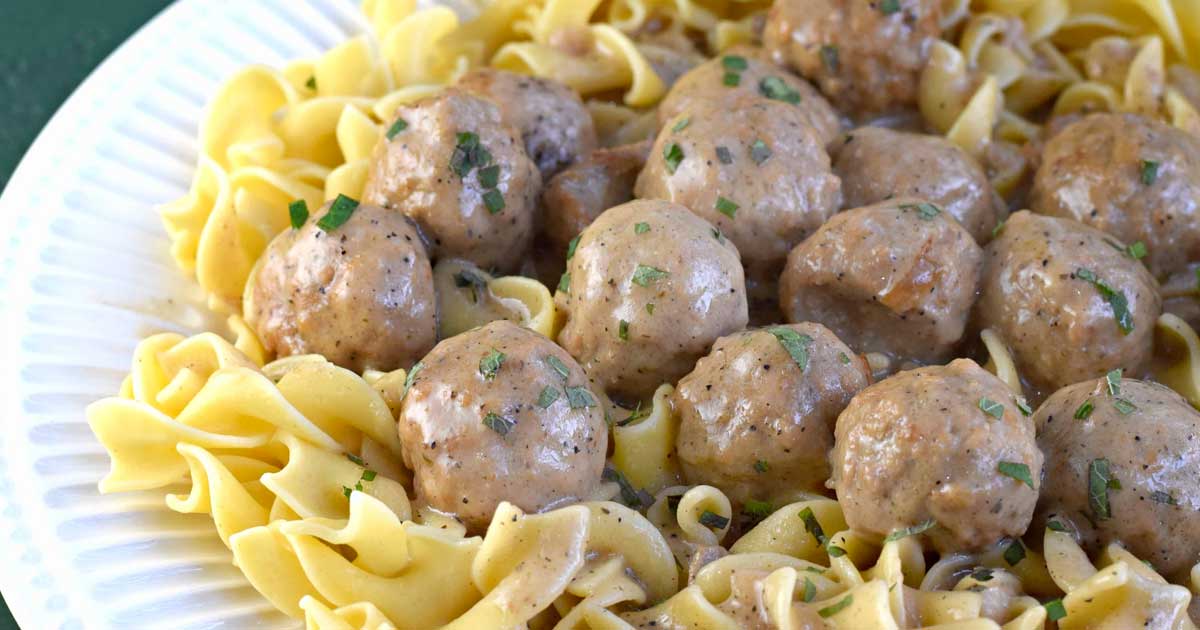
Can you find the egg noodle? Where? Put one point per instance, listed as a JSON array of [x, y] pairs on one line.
[[298, 462]]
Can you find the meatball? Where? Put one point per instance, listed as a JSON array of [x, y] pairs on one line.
[[451, 164], [751, 166], [1137, 179], [553, 122], [867, 57], [757, 414], [360, 294], [1144, 437], [500, 413], [946, 443], [746, 71], [875, 164], [649, 288], [576, 196], [1068, 300], [897, 277]]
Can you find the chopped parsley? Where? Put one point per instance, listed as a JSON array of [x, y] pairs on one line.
[[571, 247], [410, 378], [982, 574], [1056, 526], [727, 207], [919, 528], [834, 609], [547, 397], [734, 63], [1124, 407], [498, 423], [834, 551], [580, 398], [829, 56], [672, 155], [794, 343], [645, 275], [926, 211], [681, 125], [564, 282], [777, 89], [761, 466], [999, 228], [396, 128], [813, 526], [356, 459], [724, 156], [489, 177], [810, 590], [338, 213], [1017, 471], [1084, 410], [1100, 481], [713, 520], [844, 358], [731, 79], [637, 414], [641, 227], [493, 201], [991, 407], [1113, 379], [650, 307], [369, 475], [757, 510], [1149, 170], [1137, 251], [490, 364], [759, 152], [629, 495], [1014, 553], [558, 366], [1116, 299], [1159, 496], [298, 213], [468, 154], [1024, 407], [888, 7], [1055, 609], [623, 330], [311, 83]]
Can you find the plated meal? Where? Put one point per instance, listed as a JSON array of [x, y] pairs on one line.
[[616, 314]]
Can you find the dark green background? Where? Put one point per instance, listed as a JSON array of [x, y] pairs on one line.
[[47, 47]]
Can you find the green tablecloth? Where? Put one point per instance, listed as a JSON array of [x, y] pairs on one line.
[[46, 49]]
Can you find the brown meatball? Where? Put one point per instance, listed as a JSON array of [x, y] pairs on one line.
[[576, 196], [650, 287], [711, 81], [864, 56], [360, 294], [751, 166], [1038, 294], [757, 414], [491, 417], [1149, 439], [1135, 178], [875, 164], [553, 122], [897, 277], [928, 444], [436, 170]]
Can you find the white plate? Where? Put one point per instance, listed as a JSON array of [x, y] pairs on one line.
[[84, 274]]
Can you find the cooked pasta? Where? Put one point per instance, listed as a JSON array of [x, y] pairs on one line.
[[329, 509]]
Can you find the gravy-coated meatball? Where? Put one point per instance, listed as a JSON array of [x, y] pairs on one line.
[[650, 287], [709, 82], [897, 277], [462, 175], [1135, 178], [865, 57], [928, 444], [582, 191], [1041, 292], [360, 294], [551, 118], [875, 163], [1147, 439], [751, 166], [490, 418], [757, 413]]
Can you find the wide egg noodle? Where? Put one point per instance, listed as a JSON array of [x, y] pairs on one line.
[[469, 297]]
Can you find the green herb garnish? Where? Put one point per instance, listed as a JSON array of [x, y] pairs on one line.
[[311, 83], [579, 397], [564, 282], [1113, 379], [468, 154], [829, 56], [794, 343], [1024, 407], [338, 213], [1100, 481], [991, 407], [727, 207], [623, 330], [810, 590], [731, 79], [834, 609], [761, 466], [982, 574], [629, 495], [1055, 609], [888, 7], [1124, 407], [645, 275], [672, 155], [734, 63], [919, 528], [356, 459], [558, 366], [1056, 526], [490, 364], [571, 247], [547, 397], [1084, 410], [759, 152], [834, 551], [1014, 553], [713, 520], [498, 423], [775, 88], [1149, 172], [1116, 299], [410, 378], [641, 228], [724, 156], [681, 125], [813, 526], [650, 308], [490, 176], [396, 128], [1017, 471], [757, 510], [298, 213], [493, 201]]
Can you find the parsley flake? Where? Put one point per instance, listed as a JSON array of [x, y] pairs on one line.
[[645, 275], [794, 343], [493, 201], [1137, 250], [681, 125], [547, 397], [991, 408], [724, 156], [713, 520], [356, 459], [396, 128], [498, 423], [775, 88], [727, 207], [844, 358], [1124, 407], [369, 475], [1014, 553], [731, 79], [834, 609], [834, 551], [759, 152], [757, 510], [982, 574], [623, 330], [629, 495], [1055, 609], [298, 213], [829, 56], [1113, 379], [810, 590], [1017, 471], [468, 154], [1057, 526], [1024, 407], [919, 528], [558, 366], [411, 378], [490, 364], [888, 7], [813, 526], [641, 228], [1116, 299], [311, 83], [1149, 170], [571, 247], [672, 155], [489, 177], [650, 308], [338, 213], [1159, 496], [761, 466], [734, 63], [564, 282], [579, 397], [1084, 410], [1100, 480]]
